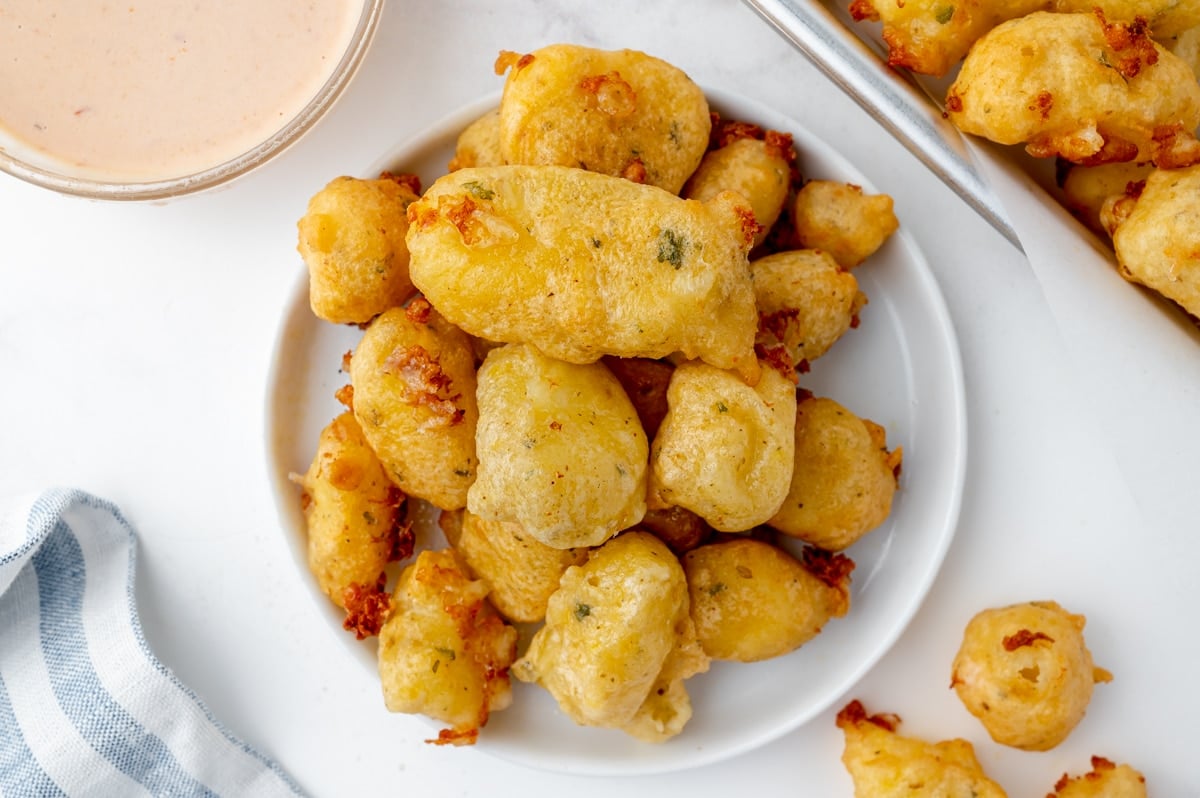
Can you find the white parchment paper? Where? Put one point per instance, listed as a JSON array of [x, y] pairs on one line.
[[1134, 358]]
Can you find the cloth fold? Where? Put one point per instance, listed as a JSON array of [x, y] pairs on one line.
[[85, 706]]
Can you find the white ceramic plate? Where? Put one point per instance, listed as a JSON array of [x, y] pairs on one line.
[[900, 368]]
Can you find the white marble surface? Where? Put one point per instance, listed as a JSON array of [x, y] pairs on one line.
[[135, 341]]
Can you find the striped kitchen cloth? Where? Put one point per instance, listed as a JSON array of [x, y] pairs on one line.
[[85, 707]]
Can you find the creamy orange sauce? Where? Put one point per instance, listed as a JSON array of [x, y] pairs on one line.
[[153, 89]]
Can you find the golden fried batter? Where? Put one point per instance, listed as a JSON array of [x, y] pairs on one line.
[[758, 169], [885, 764], [479, 143], [843, 221], [1026, 673], [583, 265], [1186, 45], [725, 450], [622, 112], [844, 478], [414, 395], [1158, 241], [806, 302], [753, 601], [682, 530], [444, 652], [521, 571], [1165, 18], [616, 626], [1086, 189], [1079, 87], [645, 382], [1105, 780], [931, 36], [352, 240], [352, 512], [561, 451]]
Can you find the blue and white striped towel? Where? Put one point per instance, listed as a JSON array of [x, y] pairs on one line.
[[85, 707]]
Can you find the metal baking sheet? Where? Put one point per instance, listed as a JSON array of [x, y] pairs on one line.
[[892, 98]]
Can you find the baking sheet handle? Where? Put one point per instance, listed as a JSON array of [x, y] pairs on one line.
[[894, 102]]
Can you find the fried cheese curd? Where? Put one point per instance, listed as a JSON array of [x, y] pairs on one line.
[[806, 302], [355, 526], [618, 112], [752, 600], [561, 451], [1025, 672], [1106, 779], [521, 572], [668, 707], [681, 529], [645, 382], [619, 640], [1186, 45], [413, 375], [1086, 189], [444, 652], [1079, 87], [886, 764], [842, 220], [725, 450], [564, 307], [606, 266], [844, 477], [931, 36], [758, 169], [1157, 237], [352, 240], [478, 144], [1166, 18]]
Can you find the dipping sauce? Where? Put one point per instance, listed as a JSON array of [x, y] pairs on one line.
[[148, 90]]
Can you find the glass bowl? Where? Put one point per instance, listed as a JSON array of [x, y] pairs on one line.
[[30, 163]]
